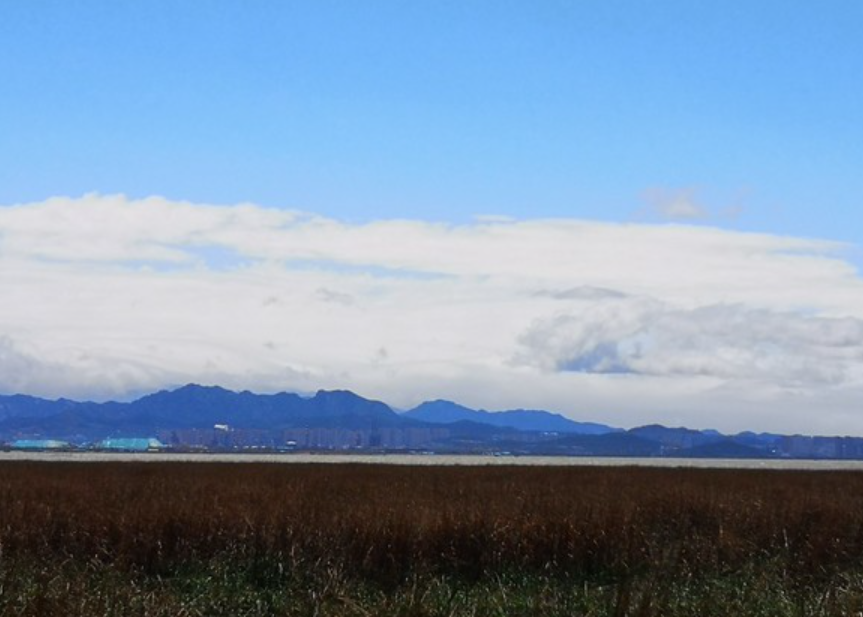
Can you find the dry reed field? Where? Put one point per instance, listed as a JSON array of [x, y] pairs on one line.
[[249, 539]]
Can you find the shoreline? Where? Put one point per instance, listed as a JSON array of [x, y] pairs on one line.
[[423, 460]]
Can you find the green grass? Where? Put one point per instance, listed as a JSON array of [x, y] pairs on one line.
[[233, 589]]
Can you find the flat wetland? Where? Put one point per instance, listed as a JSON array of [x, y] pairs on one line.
[[172, 537]]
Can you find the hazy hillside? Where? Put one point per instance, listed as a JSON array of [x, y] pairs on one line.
[[443, 412]]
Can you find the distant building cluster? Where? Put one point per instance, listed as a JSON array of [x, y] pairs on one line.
[[801, 446], [222, 437], [117, 444], [663, 442]]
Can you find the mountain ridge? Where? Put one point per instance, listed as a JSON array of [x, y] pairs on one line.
[[444, 412], [212, 417]]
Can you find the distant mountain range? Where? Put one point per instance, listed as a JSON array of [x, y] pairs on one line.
[[213, 418], [445, 412], [191, 407]]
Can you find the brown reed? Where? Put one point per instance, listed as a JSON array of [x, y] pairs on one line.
[[386, 528]]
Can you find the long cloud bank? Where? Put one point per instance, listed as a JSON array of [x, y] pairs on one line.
[[105, 296]]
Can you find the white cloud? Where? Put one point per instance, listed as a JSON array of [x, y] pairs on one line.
[[724, 342], [675, 205], [625, 323]]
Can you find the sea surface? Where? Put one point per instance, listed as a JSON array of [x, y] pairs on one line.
[[431, 459]]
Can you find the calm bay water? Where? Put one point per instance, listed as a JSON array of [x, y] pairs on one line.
[[423, 460]]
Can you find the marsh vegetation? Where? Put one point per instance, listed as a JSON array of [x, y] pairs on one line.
[[223, 539]]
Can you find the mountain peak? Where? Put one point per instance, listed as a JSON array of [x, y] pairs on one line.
[[196, 387], [337, 394], [345, 402]]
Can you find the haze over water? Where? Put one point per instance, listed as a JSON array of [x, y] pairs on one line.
[[420, 460]]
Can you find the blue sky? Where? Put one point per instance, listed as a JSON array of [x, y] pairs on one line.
[[624, 211], [442, 110]]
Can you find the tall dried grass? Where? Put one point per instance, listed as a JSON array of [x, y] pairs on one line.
[[634, 532]]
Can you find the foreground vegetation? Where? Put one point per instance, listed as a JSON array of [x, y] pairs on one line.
[[248, 539]]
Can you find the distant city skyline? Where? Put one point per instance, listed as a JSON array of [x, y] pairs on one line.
[[616, 211]]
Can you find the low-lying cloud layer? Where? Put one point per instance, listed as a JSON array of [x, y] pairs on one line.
[[726, 342], [104, 296]]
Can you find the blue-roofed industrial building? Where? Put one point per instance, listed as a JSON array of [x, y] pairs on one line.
[[131, 444], [39, 444]]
